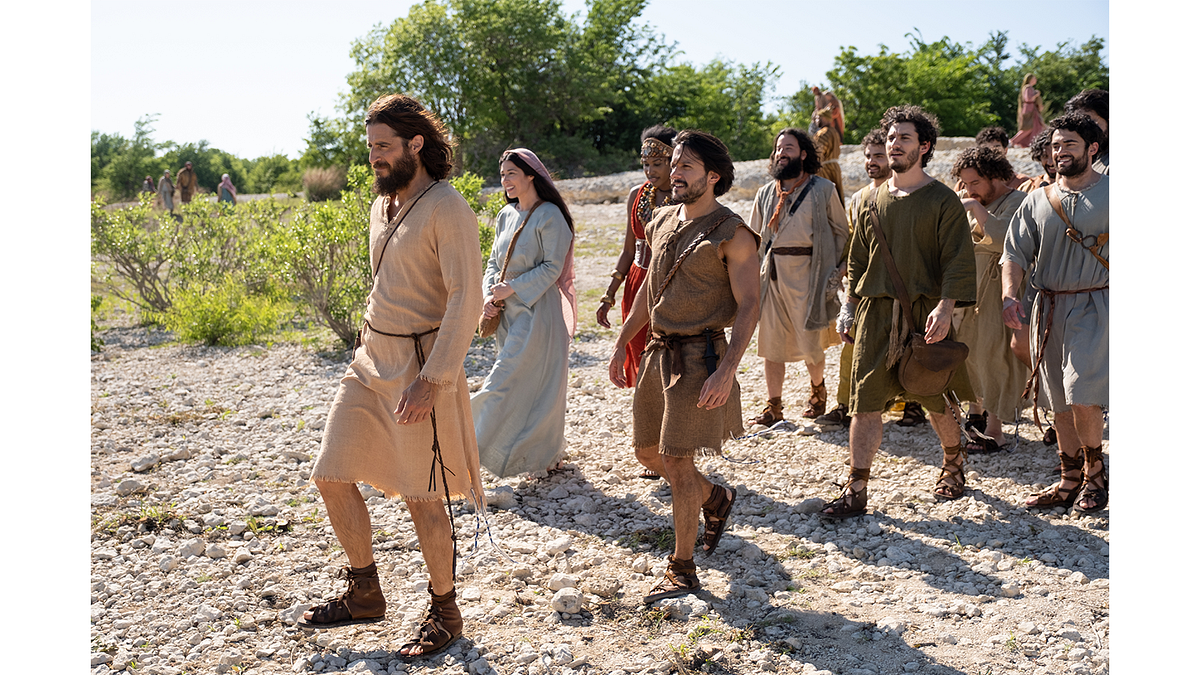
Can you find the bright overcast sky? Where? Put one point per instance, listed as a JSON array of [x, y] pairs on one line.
[[245, 75]]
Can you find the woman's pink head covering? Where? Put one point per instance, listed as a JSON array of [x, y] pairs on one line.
[[566, 280]]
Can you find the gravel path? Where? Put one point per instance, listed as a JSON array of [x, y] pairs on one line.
[[209, 541]]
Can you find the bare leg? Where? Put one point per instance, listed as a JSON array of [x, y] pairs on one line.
[[946, 428], [351, 522], [866, 433], [1089, 425], [689, 490], [1020, 345], [433, 532], [816, 370], [1068, 436], [995, 428], [773, 373], [652, 459]]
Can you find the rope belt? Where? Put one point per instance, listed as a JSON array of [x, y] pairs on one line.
[[436, 449], [672, 343], [1046, 309], [788, 250]]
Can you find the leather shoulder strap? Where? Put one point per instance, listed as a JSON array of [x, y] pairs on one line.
[[512, 243], [897, 281], [1056, 204], [395, 227], [683, 256]]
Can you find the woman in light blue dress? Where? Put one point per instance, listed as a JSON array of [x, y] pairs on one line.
[[520, 410]]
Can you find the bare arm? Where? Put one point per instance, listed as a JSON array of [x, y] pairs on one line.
[[639, 316], [624, 261], [1011, 276], [741, 259]]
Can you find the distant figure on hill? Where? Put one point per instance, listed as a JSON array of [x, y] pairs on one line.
[[226, 191], [148, 185], [829, 147], [821, 101], [165, 190], [1029, 113], [187, 183]]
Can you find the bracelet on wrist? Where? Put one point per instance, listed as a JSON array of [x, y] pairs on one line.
[[608, 300]]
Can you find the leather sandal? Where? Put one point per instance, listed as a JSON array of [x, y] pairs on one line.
[[816, 401], [839, 416], [1095, 485], [851, 502], [952, 481], [362, 601], [977, 421], [716, 516], [1063, 492], [680, 579], [913, 416], [771, 414], [441, 628]]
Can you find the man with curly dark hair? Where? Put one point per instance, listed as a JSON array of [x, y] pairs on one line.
[[1039, 151], [925, 228], [1094, 104], [996, 139], [803, 226], [997, 376], [1061, 232]]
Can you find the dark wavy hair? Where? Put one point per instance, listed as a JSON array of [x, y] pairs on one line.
[[662, 133], [926, 123], [545, 189], [812, 162], [1039, 148], [992, 134], [712, 152], [407, 117], [1081, 124], [1095, 100], [986, 162], [875, 136]]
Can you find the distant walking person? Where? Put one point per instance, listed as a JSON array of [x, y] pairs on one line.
[[148, 185], [401, 419], [166, 190], [1029, 113], [1061, 231], [187, 183], [226, 191]]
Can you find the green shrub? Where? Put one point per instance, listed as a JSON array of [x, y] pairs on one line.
[[469, 186], [224, 314], [97, 342], [135, 245], [324, 184]]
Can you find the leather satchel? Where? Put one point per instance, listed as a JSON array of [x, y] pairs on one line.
[[488, 325], [924, 369]]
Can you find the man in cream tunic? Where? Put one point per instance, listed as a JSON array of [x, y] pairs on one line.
[[804, 230], [401, 419]]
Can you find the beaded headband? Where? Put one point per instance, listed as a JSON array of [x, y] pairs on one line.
[[652, 147]]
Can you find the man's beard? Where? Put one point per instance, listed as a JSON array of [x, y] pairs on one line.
[[874, 171], [686, 194], [1076, 166], [787, 170], [399, 175], [905, 163]]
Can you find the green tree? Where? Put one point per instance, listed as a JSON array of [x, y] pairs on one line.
[[125, 164]]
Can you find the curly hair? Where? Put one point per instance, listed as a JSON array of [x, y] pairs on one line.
[[1039, 148], [986, 162], [876, 136], [1079, 123], [662, 133], [926, 123], [811, 161], [712, 152], [1095, 100], [407, 117], [992, 135]]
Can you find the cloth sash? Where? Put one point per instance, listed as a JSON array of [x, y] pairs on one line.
[[675, 365]]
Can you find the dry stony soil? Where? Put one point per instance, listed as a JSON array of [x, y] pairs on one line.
[[209, 540]]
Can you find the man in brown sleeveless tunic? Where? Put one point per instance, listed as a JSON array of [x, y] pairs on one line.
[[703, 277]]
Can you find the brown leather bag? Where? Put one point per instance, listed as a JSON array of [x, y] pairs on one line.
[[924, 369], [487, 325]]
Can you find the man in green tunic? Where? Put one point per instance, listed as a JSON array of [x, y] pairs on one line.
[[1069, 323], [703, 277], [997, 376], [926, 230]]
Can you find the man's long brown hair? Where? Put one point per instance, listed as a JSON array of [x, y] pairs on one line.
[[407, 117]]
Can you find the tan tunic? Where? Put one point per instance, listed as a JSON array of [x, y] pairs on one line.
[[997, 376], [829, 148], [187, 184], [698, 297], [430, 276], [795, 300]]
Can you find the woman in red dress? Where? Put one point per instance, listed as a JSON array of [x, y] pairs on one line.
[[1029, 115]]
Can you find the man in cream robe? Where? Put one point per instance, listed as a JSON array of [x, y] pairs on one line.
[[804, 230]]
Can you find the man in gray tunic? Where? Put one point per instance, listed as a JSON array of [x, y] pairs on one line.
[[1061, 230], [804, 230]]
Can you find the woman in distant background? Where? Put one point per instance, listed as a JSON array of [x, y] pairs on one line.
[[1029, 113], [226, 191], [520, 411]]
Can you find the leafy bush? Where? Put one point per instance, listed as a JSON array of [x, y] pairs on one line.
[[97, 342], [325, 258], [324, 184], [135, 245], [224, 314]]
